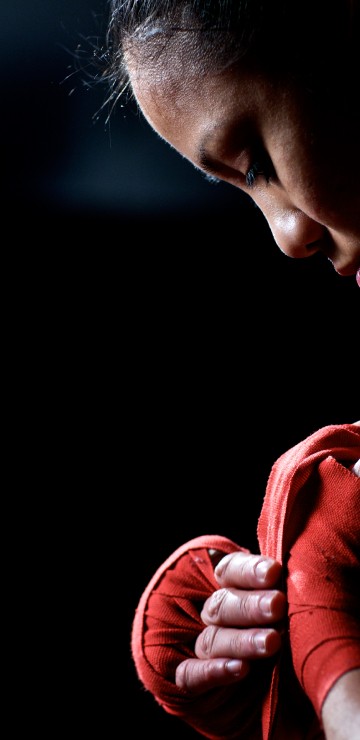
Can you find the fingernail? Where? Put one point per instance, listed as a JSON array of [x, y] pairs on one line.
[[234, 667], [261, 570], [265, 604], [260, 642]]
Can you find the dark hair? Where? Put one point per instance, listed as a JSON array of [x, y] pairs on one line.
[[302, 38], [219, 28]]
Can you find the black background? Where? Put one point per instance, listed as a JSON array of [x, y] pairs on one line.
[[167, 351]]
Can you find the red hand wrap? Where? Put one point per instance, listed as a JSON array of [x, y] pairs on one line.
[[310, 521], [166, 625], [167, 620]]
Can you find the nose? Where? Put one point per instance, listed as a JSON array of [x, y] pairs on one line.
[[295, 233]]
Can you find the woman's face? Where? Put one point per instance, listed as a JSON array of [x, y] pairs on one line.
[[300, 167]]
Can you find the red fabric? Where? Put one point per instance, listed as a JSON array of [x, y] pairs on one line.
[[310, 521], [310, 508], [166, 625], [168, 613]]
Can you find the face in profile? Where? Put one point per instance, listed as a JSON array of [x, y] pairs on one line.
[[297, 162]]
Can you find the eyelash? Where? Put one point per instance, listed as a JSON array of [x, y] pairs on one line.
[[211, 178], [260, 168], [256, 170]]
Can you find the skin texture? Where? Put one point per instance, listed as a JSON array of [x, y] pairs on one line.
[[343, 701], [247, 597], [224, 123], [243, 602], [293, 161]]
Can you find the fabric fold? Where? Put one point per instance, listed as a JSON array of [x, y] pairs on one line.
[[310, 522], [166, 624]]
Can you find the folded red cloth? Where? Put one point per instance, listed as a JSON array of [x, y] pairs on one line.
[[310, 521], [166, 624], [296, 525], [167, 619]]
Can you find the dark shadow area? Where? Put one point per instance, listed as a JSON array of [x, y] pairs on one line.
[[168, 353]]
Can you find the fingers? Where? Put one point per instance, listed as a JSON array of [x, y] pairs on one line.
[[246, 598], [233, 608], [210, 669], [248, 644], [198, 676], [247, 571]]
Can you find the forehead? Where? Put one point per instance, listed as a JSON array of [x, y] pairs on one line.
[[186, 108]]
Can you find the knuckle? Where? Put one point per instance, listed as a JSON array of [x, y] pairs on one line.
[[246, 643], [205, 642], [237, 568], [238, 644], [224, 566], [188, 674], [235, 645], [247, 607], [207, 670], [182, 677], [215, 603]]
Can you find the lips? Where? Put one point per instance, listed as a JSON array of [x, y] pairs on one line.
[[347, 270]]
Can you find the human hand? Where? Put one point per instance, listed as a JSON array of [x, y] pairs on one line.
[[237, 618]]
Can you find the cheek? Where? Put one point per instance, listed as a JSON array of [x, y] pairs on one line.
[[327, 173], [332, 201], [325, 190], [316, 159]]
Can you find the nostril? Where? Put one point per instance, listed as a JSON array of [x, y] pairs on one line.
[[316, 246]]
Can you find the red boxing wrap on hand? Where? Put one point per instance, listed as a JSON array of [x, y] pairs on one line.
[[166, 625], [310, 522]]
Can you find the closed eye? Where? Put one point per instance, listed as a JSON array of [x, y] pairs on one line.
[[261, 167]]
